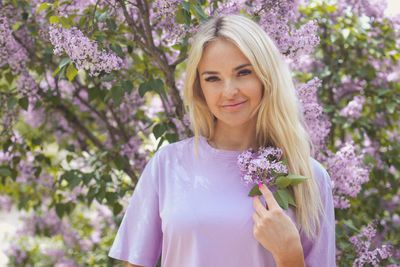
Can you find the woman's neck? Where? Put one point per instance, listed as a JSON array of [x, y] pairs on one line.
[[238, 138]]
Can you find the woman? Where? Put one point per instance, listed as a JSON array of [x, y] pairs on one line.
[[190, 202]]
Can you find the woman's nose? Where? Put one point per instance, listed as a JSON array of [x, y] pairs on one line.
[[230, 89]]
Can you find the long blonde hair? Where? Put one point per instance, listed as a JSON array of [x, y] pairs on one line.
[[279, 120]]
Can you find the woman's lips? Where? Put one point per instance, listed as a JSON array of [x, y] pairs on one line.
[[234, 106]]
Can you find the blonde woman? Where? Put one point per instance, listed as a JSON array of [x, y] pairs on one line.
[[190, 202]]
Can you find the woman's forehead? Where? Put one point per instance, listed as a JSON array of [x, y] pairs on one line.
[[220, 53]]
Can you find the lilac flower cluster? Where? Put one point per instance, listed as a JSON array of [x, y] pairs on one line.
[[276, 17], [131, 151], [5, 203], [17, 253], [353, 109], [259, 166], [83, 51], [362, 243], [27, 86], [165, 14], [316, 122], [11, 51], [348, 172], [348, 86]]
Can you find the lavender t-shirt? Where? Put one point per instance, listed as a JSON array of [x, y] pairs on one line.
[[195, 209]]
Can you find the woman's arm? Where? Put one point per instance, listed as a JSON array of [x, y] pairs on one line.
[[127, 264]]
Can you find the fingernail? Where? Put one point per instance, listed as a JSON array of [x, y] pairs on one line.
[[260, 185]]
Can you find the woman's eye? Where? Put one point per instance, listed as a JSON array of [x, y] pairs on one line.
[[244, 72], [211, 79]]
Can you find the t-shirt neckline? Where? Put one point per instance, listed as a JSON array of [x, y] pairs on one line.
[[218, 153]]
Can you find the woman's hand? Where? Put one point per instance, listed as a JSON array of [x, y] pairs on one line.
[[276, 232]]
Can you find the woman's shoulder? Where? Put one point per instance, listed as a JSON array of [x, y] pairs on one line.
[[176, 149]]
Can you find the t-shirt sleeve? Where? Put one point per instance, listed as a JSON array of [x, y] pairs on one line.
[[139, 237], [321, 251]]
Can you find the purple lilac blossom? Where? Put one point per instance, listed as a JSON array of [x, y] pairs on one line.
[[348, 86], [275, 17], [54, 253], [5, 203], [362, 243], [17, 253], [262, 164], [371, 147], [165, 14], [11, 51], [348, 173], [27, 86], [83, 51], [353, 109], [316, 122], [66, 262]]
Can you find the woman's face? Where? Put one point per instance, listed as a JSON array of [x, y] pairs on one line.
[[229, 83]]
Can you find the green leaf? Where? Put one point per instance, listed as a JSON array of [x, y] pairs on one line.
[[64, 62], [120, 162], [111, 197], [200, 11], [186, 6], [255, 191], [4, 171], [118, 50], [116, 94], [69, 158], [331, 9], [160, 142], [279, 200], [93, 93], [65, 22], [100, 195], [24, 103], [37, 141], [92, 192], [117, 208], [55, 3], [71, 72], [74, 181], [127, 86], [56, 71], [9, 77], [282, 182], [11, 102], [350, 224], [103, 16], [172, 137], [43, 7], [143, 88], [108, 78], [391, 107], [60, 209], [158, 86], [111, 24], [159, 130], [296, 179], [86, 178], [283, 197], [54, 19], [286, 196]]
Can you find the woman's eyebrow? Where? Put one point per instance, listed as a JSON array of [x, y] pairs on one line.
[[237, 68], [242, 66]]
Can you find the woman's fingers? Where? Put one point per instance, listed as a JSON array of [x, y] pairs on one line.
[[269, 197], [259, 207]]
